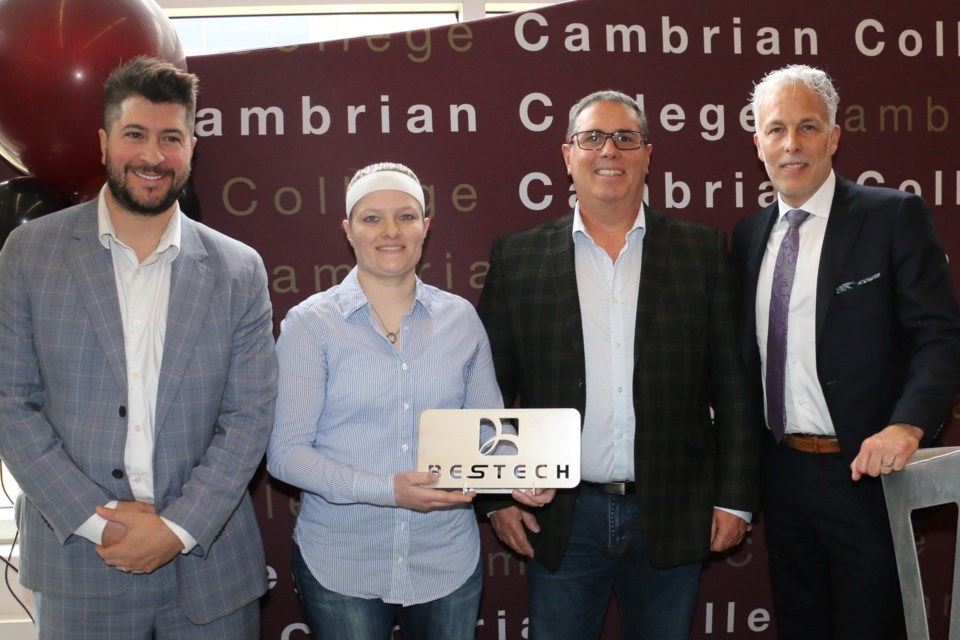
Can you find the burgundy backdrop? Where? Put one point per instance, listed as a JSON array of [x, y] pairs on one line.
[[478, 110]]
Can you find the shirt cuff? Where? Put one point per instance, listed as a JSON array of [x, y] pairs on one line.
[[189, 542], [92, 528], [743, 515]]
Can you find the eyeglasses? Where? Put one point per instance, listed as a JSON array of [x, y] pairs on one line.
[[595, 139]]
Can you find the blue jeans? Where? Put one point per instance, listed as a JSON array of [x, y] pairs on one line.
[[333, 616], [606, 551]]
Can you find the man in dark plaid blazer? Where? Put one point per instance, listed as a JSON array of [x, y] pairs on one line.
[[629, 316]]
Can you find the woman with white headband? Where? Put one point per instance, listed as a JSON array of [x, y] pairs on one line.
[[374, 545]]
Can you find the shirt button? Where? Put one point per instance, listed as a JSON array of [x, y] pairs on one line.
[[136, 323], [404, 366], [138, 428], [619, 389], [138, 480], [404, 448], [406, 406]]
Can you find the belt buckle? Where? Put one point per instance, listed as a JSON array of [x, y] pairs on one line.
[[616, 488]]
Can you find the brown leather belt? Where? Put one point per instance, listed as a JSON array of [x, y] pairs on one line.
[[811, 444], [613, 488]]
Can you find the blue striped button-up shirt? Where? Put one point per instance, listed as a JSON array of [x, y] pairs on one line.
[[347, 421]]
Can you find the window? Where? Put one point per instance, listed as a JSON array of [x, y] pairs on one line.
[[217, 26], [217, 34], [10, 491]]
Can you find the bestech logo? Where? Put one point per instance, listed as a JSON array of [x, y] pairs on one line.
[[486, 450], [499, 438]]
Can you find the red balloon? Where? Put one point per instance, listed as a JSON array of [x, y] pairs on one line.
[[54, 58]]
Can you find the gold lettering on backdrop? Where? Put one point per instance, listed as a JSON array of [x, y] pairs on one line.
[[937, 111], [894, 112], [418, 43], [504, 561], [238, 197], [445, 273], [284, 279], [479, 270], [329, 275], [464, 197]]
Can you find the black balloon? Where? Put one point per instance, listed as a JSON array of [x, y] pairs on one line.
[[26, 198]]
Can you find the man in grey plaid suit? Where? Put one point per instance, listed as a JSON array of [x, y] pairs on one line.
[[137, 384], [627, 315]]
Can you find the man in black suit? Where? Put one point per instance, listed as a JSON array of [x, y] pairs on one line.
[[854, 373], [627, 315]]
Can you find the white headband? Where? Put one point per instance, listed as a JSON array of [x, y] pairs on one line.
[[384, 181]]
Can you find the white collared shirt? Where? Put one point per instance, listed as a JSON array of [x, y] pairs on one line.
[[806, 406], [143, 291], [608, 292]]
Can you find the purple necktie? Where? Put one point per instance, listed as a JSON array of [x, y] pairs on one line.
[[777, 329]]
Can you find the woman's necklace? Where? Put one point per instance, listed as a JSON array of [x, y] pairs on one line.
[[392, 336]]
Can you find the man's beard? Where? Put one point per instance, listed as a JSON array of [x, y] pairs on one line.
[[117, 182]]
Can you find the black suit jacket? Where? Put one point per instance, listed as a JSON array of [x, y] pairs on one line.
[[686, 359], [887, 325]]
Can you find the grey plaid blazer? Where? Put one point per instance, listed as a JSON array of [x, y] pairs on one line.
[[63, 392], [686, 361]]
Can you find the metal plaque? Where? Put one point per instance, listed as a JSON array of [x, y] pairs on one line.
[[498, 450]]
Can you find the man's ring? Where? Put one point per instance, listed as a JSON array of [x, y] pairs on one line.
[[122, 569], [886, 466]]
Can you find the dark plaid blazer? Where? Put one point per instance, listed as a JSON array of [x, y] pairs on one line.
[[686, 361]]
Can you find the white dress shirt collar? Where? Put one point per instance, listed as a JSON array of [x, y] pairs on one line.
[[107, 233], [818, 204]]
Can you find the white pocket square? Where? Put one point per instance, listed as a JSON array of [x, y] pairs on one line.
[[847, 286]]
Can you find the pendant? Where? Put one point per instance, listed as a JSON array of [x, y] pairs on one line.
[[392, 336]]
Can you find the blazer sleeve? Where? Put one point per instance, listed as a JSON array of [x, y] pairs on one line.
[[926, 305], [29, 443], [494, 311], [246, 412], [736, 434]]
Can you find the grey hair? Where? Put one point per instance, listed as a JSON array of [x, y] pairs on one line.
[[606, 96], [812, 78]]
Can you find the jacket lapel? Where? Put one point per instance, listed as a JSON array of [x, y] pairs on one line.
[[843, 227], [191, 288], [562, 262], [92, 268], [656, 247]]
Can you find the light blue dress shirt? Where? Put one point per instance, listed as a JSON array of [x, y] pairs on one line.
[[347, 420], [608, 293]]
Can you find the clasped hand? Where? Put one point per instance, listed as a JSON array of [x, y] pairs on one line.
[[136, 539]]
